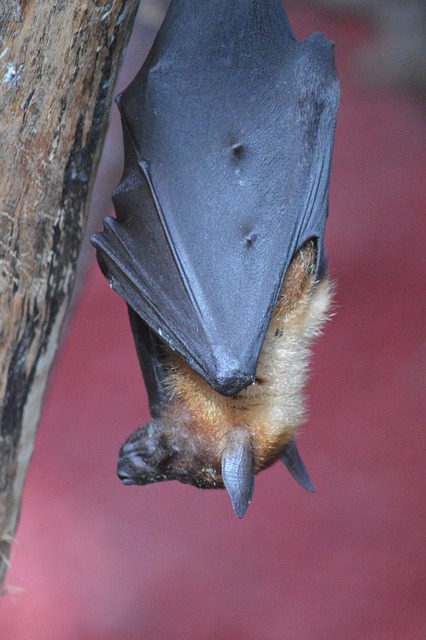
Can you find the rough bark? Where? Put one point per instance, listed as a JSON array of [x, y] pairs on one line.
[[58, 63]]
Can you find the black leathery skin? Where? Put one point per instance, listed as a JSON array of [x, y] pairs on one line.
[[228, 132]]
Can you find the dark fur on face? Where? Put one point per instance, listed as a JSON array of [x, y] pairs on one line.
[[151, 454]]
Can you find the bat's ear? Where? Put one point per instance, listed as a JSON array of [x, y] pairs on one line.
[[294, 463], [237, 470]]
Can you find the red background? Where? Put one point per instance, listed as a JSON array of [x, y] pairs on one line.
[[97, 560]]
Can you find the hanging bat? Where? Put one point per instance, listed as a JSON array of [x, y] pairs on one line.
[[217, 248]]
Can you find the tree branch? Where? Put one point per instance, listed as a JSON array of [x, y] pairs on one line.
[[58, 64]]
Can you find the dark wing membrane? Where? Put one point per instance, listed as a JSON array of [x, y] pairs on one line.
[[139, 260], [151, 357], [228, 139]]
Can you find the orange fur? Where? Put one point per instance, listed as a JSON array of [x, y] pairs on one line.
[[272, 407]]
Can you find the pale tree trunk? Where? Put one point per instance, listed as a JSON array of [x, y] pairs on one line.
[[58, 64]]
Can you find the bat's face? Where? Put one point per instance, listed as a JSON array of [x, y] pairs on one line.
[[152, 454]]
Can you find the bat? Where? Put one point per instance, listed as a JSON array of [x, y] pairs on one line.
[[218, 243]]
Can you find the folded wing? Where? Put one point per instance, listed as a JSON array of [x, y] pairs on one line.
[[228, 132]]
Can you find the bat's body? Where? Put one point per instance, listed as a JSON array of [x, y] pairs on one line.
[[199, 427], [218, 244], [270, 409]]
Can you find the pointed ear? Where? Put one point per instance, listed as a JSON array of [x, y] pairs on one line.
[[294, 463], [237, 471]]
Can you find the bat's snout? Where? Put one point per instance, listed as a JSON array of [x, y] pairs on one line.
[[130, 468], [137, 458], [122, 474]]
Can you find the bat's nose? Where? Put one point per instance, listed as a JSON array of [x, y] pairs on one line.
[[130, 464], [123, 472], [135, 461]]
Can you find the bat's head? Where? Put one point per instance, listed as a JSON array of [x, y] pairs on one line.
[[145, 457], [154, 453], [157, 452]]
